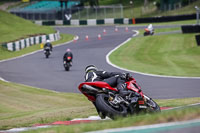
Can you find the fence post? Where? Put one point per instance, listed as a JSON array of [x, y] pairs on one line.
[[121, 7], [87, 12], [79, 13], [96, 12], [104, 12]]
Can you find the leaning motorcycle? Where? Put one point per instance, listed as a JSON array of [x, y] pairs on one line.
[[109, 103], [148, 32], [47, 52], [67, 63]]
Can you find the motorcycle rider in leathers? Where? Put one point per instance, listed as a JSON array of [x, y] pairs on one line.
[[114, 79], [48, 44], [68, 53]]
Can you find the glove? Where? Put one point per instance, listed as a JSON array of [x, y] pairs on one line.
[[128, 76]]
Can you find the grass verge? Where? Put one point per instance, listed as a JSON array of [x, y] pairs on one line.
[[137, 120], [175, 54], [22, 106], [20, 28]]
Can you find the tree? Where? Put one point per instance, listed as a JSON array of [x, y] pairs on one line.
[[146, 3], [94, 3]]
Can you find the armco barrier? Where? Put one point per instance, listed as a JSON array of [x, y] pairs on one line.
[[165, 18], [190, 28], [88, 22], [23, 43], [118, 20], [198, 39]]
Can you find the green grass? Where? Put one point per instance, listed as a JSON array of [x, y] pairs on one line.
[[158, 30], [22, 106], [143, 119], [14, 28], [175, 54]]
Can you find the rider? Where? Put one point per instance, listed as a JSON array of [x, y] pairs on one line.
[[48, 44], [150, 29], [114, 79], [68, 53]]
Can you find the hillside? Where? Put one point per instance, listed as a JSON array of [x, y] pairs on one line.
[[13, 27]]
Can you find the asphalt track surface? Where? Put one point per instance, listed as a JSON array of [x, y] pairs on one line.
[[35, 70]]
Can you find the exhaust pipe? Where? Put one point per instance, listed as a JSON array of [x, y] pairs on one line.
[[90, 88]]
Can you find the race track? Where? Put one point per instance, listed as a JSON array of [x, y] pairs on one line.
[[36, 70]]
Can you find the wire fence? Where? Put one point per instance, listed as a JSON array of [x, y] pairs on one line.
[[81, 13]]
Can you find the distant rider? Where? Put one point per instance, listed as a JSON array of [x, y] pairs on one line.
[[48, 44], [67, 54]]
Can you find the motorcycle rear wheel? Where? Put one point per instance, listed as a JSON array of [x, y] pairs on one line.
[[105, 107], [47, 56], [66, 67]]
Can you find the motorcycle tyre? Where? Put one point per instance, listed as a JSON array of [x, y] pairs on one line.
[[106, 109], [47, 56], [155, 109], [146, 33], [67, 67]]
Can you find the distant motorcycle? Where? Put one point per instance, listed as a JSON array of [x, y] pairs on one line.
[[149, 30], [67, 63], [47, 52], [109, 103]]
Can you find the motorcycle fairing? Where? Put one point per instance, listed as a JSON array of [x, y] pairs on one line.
[[98, 84], [131, 85]]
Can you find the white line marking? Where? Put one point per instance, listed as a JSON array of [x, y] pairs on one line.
[[3, 79], [146, 74]]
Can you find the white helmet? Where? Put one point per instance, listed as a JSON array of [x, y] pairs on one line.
[[48, 41], [90, 68]]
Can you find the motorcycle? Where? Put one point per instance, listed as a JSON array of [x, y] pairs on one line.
[[47, 51], [67, 63], [109, 103], [149, 30]]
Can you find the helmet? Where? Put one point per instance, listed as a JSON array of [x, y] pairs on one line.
[[68, 50], [90, 68], [48, 41]]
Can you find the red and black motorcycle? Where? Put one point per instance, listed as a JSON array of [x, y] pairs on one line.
[[67, 63], [109, 103]]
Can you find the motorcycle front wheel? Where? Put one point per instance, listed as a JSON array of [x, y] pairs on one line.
[[152, 105], [103, 105]]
